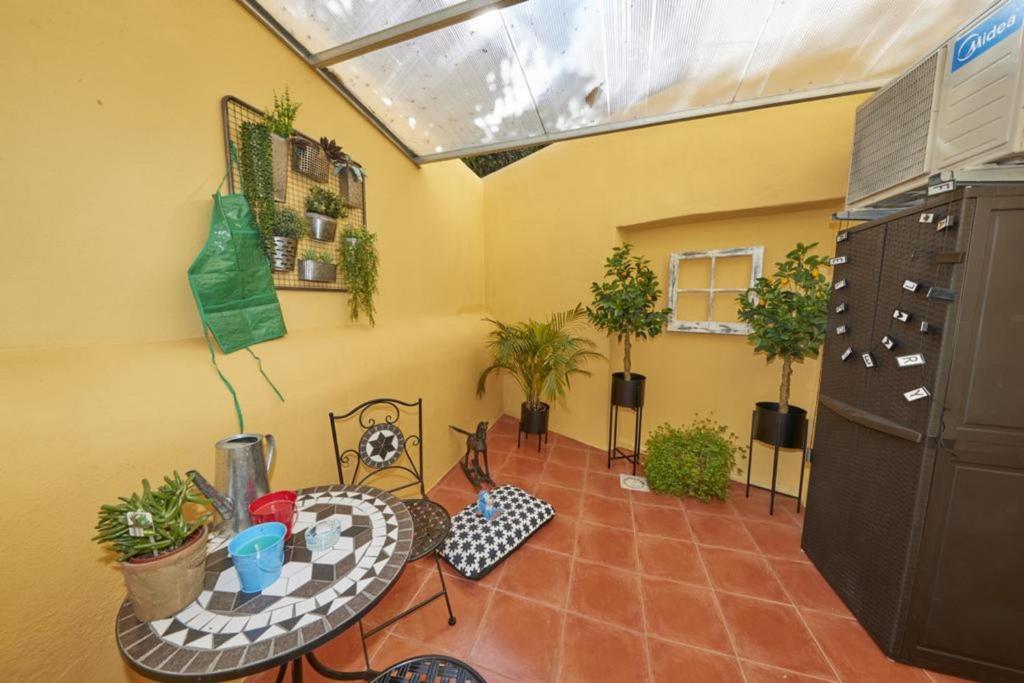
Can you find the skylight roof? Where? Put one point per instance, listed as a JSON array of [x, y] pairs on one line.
[[542, 70]]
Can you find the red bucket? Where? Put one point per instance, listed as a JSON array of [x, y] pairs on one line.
[[278, 506]]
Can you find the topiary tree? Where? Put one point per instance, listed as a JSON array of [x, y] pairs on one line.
[[625, 303], [787, 313]]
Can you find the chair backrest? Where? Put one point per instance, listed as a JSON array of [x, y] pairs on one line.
[[386, 442]]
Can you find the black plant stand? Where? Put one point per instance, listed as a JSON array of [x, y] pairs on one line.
[[788, 431], [629, 395]]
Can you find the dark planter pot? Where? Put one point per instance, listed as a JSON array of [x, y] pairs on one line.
[[785, 430], [628, 393], [534, 421]]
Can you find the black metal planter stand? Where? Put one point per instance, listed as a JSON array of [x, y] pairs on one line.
[[779, 430], [629, 395], [533, 422]]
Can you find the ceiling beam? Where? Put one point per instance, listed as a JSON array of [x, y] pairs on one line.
[[399, 33]]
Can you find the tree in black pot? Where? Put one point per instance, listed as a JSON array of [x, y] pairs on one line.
[[626, 305], [787, 314], [541, 357]]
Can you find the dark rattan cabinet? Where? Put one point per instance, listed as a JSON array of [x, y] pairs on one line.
[[915, 510]]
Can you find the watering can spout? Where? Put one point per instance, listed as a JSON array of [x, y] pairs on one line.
[[221, 503]]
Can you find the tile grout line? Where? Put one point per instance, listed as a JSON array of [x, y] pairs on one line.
[[640, 583], [718, 604]]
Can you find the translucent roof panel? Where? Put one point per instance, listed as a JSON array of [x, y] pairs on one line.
[[547, 69]]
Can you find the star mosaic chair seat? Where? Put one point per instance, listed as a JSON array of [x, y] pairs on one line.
[[384, 458]]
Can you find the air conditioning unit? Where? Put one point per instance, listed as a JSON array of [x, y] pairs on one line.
[[960, 107]]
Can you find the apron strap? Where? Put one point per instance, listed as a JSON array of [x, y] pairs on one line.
[[234, 396], [259, 364], [232, 158]]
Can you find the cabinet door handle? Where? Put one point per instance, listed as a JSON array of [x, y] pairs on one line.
[[870, 420]]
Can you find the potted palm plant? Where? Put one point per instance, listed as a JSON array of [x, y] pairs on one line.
[[280, 120], [787, 314], [317, 266], [626, 305], [323, 209], [288, 228], [358, 263], [161, 551], [541, 357]]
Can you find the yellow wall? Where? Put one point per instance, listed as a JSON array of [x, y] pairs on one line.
[[768, 177], [111, 150]]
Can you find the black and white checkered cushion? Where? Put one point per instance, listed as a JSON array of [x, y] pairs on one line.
[[475, 546]]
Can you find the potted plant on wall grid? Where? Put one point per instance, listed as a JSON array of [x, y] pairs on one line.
[[358, 262], [280, 121], [323, 209], [541, 357], [787, 314], [626, 305], [288, 229], [317, 266], [257, 174], [162, 552]]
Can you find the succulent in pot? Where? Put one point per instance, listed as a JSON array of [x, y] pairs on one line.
[[288, 228], [317, 266], [162, 550], [323, 209], [541, 357], [280, 120]]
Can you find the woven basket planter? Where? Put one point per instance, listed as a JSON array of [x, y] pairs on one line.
[[283, 257]]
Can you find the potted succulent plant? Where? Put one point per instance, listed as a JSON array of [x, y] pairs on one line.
[[288, 228], [541, 357], [323, 209], [162, 552], [787, 314], [358, 264], [280, 121], [626, 305], [350, 173], [317, 266]]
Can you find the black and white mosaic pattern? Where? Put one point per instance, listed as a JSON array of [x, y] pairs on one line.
[[381, 445], [317, 595], [475, 545]]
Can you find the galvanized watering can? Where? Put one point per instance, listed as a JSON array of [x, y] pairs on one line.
[[240, 477]]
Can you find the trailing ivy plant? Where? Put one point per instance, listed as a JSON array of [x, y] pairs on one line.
[[540, 356], [787, 312], [317, 255], [257, 174], [325, 202], [695, 460], [157, 515], [280, 119], [359, 262], [626, 302], [289, 223]]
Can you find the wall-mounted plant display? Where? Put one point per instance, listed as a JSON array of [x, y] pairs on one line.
[[257, 176], [359, 263], [350, 173], [289, 227], [323, 209], [693, 461], [317, 266], [161, 549], [280, 121]]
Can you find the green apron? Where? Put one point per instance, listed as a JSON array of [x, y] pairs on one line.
[[233, 286]]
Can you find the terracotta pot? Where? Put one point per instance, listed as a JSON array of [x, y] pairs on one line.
[[162, 586]]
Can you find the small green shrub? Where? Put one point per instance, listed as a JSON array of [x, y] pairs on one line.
[[280, 118], [317, 255], [695, 460], [325, 203], [288, 223]]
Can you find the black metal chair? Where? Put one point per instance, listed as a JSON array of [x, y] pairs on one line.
[[430, 669], [383, 450]]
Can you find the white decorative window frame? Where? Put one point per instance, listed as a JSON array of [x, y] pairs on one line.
[[710, 326]]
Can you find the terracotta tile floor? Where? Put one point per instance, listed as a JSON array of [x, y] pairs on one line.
[[628, 586]]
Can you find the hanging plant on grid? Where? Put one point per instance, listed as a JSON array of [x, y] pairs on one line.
[[787, 312], [626, 302], [359, 262], [280, 118], [257, 175]]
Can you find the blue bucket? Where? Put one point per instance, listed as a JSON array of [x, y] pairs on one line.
[[258, 554]]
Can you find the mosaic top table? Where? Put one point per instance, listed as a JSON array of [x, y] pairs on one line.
[[226, 633]]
